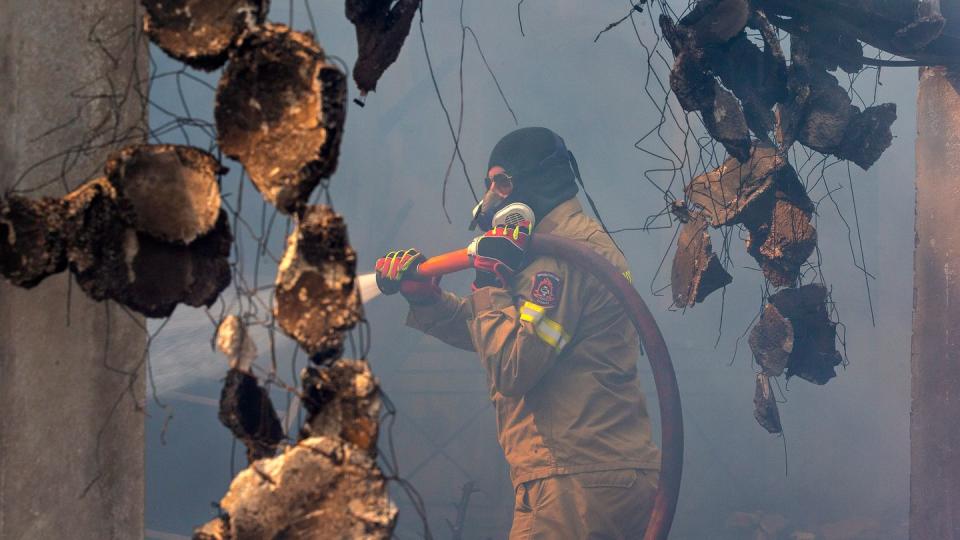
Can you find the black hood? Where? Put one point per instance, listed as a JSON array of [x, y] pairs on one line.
[[540, 164]]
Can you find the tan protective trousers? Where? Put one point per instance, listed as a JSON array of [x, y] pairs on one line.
[[594, 505]]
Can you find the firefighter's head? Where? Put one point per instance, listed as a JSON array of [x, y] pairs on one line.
[[532, 166]]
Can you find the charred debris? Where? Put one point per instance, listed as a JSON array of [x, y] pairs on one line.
[[757, 102]]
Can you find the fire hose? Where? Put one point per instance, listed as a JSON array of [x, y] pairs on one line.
[[665, 379]]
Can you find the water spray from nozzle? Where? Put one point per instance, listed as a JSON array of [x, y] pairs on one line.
[[367, 283]]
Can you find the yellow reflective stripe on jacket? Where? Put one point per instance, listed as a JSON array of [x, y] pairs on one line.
[[547, 329], [629, 276], [531, 312]]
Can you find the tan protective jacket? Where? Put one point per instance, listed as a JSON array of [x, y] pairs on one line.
[[561, 360]]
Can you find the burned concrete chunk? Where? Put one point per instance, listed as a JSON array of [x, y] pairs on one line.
[[757, 78], [825, 112], [272, 109], [343, 402], [868, 135], [765, 405], [730, 190], [726, 123], [173, 189], [201, 33], [814, 354], [320, 488], [32, 239], [771, 341], [315, 296], [236, 343], [151, 276], [381, 31], [717, 21], [697, 271], [246, 410], [783, 243]]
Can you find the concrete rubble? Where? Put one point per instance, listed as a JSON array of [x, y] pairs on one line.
[[280, 111], [316, 300], [201, 33], [246, 410], [765, 405], [696, 270], [342, 401], [320, 488], [796, 324]]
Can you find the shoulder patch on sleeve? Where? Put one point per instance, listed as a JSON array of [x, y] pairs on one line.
[[546, 289]]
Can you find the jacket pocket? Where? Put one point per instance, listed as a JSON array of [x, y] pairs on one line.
[[620, 478]]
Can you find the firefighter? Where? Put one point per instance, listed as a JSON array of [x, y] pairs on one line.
[[559, 352]]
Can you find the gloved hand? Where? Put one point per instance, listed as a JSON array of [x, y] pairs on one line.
[[396, 272], [499, 254]]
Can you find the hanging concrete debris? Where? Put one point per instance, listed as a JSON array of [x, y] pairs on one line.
[[235, 342], [381, 31], [173, 189], [320, 488], [315, 296], [246, 410], [782, 243], [343, 402], [161, 275], [696, 271], [716, 21], [771, 341], [32, 241], [280, 112], [810, 341], [819, 113], [201, 33], [728, 192], [765, 405]]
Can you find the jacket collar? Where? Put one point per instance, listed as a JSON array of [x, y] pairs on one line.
[[559, 215]]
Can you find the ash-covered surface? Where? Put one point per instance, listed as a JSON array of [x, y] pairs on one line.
[[280, 111], [343, 402], [32, 239], [246, 410], [765, 405], [201, 33], [696, 270], [315, 296], [320, 488], [796, 324], [173, 189], [381, 31]]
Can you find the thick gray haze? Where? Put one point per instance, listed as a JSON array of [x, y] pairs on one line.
[[846, 442]]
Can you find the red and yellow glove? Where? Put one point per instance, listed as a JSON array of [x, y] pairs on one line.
[[499, 254], [397, 272]]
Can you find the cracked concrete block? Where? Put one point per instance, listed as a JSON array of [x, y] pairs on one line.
[[781, 244], [246, 410], [280, 111], [765, 409], [810, 342], [696, 270], [771, 341], [315, 296], [725, 193], [173, 189], [320, 488], [201, 33], [868, 135], [343, 401]]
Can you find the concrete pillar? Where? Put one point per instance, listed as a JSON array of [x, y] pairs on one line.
[[71, 429], [935, 358]]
